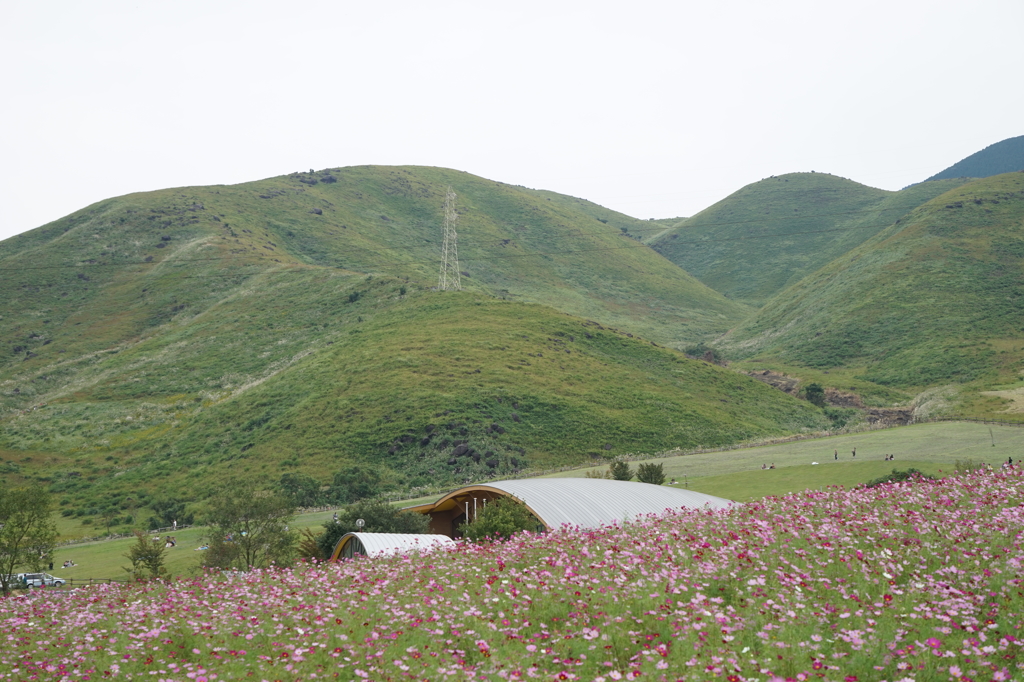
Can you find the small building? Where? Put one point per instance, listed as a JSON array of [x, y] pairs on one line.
[[578, 502], [385, 544]]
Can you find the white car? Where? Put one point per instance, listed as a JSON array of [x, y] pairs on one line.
[[40, 580]]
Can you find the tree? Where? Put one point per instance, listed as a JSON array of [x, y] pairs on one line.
[[378, 517], [132, 506], [355, 482], [168, 511], [147, 554], [27, 534], [815, 394], [109, 516], [500, 520], [249, 528], [651, 473], [304, 490], [620, 471]]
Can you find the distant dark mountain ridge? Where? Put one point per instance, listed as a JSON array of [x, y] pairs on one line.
[[1002, 157]]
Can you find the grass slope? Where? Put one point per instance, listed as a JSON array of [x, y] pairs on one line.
[[1002, 157], [127, 264], [164, 338], [309, 370], [770, 234], [935, 299]]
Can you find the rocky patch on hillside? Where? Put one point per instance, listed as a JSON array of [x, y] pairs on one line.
[[889, 416], [784, 383], [876, 416]]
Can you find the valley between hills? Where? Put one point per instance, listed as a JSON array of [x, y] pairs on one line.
[[157, 344]]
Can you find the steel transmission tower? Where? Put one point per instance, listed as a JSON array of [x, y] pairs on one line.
[[449, 278]]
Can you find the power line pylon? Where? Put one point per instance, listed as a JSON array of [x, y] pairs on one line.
[[449, 278]]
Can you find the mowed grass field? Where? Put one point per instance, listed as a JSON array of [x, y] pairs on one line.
[[105, 558], [732, 474], [931, 448]]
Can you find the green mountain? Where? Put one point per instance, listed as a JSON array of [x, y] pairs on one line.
[[770, 234], [937, 298], [312, 371], [515, 243], [156, 343], [1002, 157]]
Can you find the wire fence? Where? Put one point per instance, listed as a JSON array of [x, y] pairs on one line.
[[83, 582], [1002, 422]]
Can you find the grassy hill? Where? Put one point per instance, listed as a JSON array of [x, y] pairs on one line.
[[311, 372], [936, 299], [514, 243], [157, 343], [1002, 157], [772, 233]]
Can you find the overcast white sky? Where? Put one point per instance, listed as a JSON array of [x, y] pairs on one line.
[[655, 109]]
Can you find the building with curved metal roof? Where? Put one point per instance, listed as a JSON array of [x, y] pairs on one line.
[[557, 502], [385, 544]]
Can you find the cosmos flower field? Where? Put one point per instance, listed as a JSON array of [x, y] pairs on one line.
[[914, 581]]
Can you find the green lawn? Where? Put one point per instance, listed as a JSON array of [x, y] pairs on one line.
[[105, 558], [940, 443], [745, 486]]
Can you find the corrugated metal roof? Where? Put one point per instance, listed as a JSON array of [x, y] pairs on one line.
[[596, 502], [386, 544]]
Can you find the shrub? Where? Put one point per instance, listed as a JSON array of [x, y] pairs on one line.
[[897, 476], [840, 416], [815, 394], [964, 466], [500, 520], [706, 353], [620, 471], [309, 545], [651, 473]]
